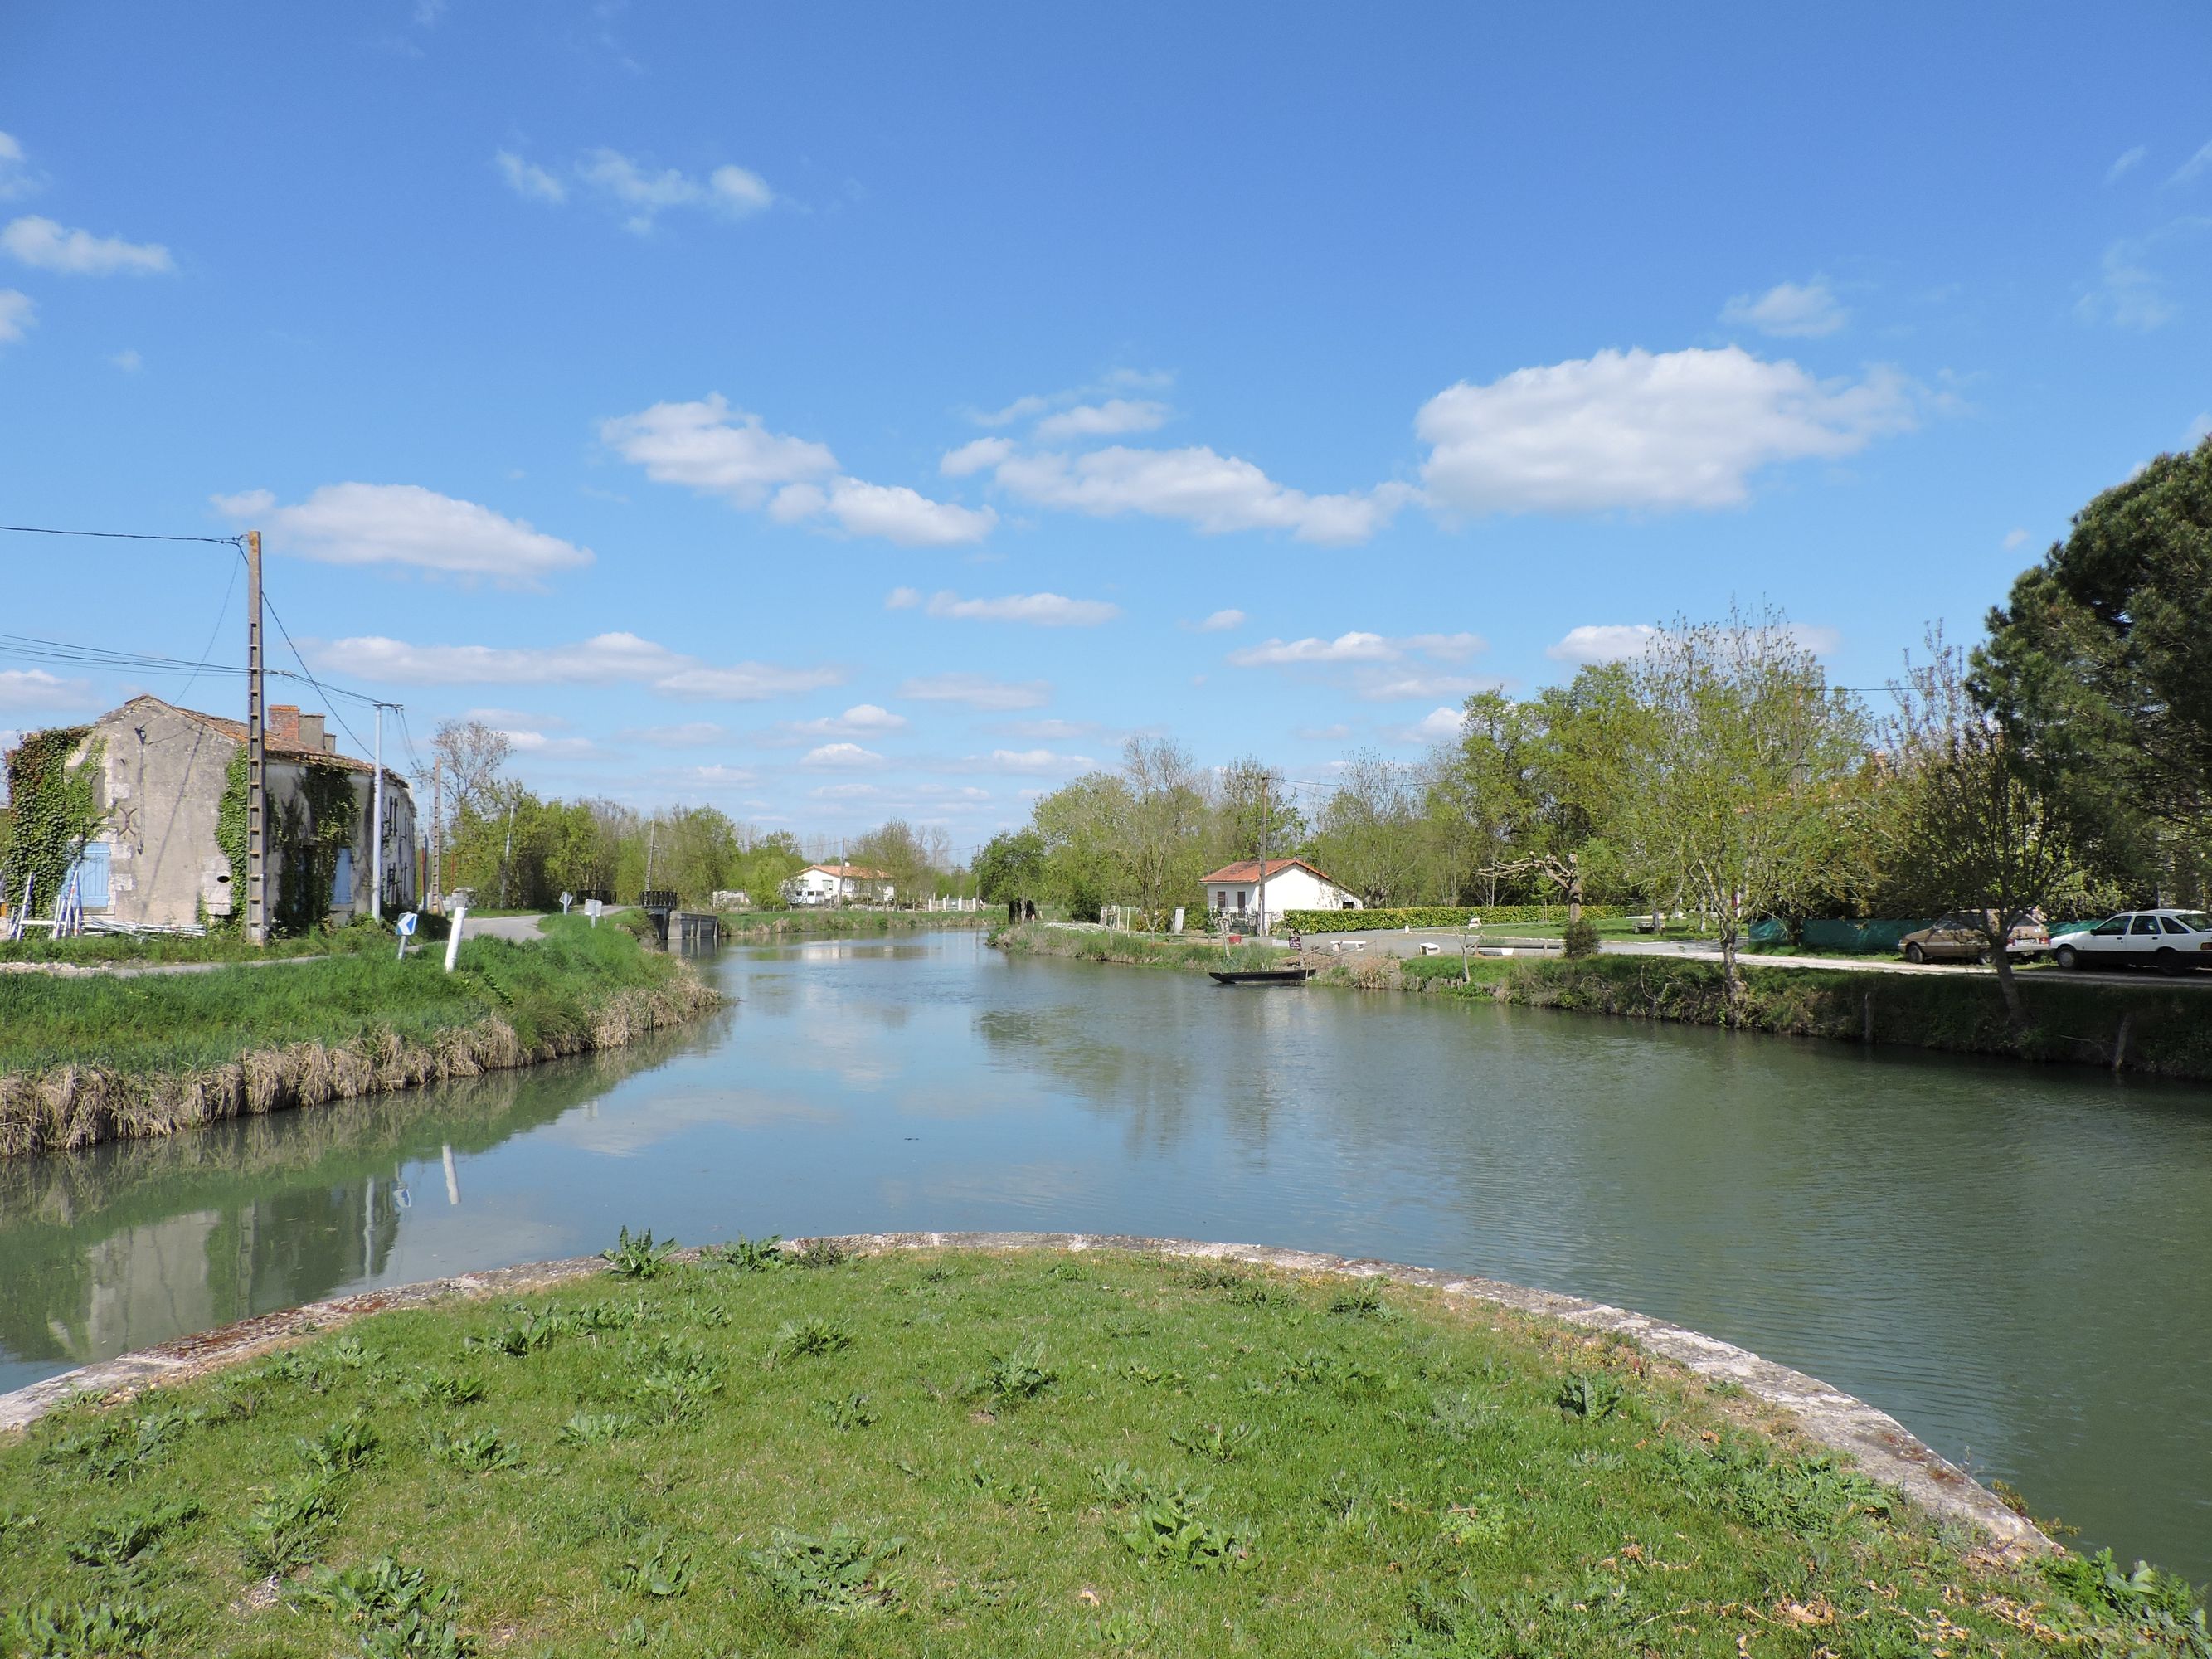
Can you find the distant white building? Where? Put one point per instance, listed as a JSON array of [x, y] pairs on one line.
[[1233, 891], [839, 884]]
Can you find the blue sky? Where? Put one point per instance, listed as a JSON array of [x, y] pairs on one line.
[[831, 413]]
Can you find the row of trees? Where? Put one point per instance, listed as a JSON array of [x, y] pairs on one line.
[[2064, 765], [515, 847]]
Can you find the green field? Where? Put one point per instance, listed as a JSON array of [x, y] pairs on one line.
[[969, 1454]]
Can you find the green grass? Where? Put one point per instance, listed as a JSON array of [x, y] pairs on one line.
[[995, 1456], [172, 1022], [126, 949]]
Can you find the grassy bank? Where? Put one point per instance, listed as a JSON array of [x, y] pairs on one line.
[[1006, 1454], [83, 1061], [2168, 1031]]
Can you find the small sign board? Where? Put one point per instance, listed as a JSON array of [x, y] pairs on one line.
[[406, 928], [566, 899], [594, 909]]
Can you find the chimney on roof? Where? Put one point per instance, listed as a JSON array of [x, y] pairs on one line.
[[310, 734], [282, 724], [330, 744]]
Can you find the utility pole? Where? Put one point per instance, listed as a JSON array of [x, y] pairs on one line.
[[1263, 852], [437, 832], [257, 792], [376, 827]]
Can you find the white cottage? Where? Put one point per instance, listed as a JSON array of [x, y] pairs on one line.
[[1233, 891], [839, 884]]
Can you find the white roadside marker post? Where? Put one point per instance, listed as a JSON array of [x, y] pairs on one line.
[[454, 938]]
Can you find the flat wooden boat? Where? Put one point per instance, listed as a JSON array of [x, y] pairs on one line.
[[1261, 975]]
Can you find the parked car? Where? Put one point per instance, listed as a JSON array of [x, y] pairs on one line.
[[2168, 940], [1960, 938]]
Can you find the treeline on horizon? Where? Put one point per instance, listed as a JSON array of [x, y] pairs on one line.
[[2063, 765]]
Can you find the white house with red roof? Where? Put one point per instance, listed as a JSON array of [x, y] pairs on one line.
[[1233, 892], [839, 884]]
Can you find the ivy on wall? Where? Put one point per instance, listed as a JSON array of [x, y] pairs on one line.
[[230, 836], [312, 828], [53, 812]]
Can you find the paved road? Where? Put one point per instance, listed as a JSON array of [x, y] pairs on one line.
[[1407, 945], [501, 927]]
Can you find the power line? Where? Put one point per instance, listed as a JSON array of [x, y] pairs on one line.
[[229, 588], [312, 681], [118, 535]]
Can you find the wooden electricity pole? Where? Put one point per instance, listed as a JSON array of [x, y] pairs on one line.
[[437, 832], [257, 791]]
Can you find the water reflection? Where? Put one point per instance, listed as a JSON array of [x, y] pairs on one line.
[[2009, 1259]]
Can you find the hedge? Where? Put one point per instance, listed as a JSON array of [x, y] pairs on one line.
[[1435, 915]]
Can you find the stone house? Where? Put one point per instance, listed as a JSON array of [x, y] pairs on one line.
[[156, 861]]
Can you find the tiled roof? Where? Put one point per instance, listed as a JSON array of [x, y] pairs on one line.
[[849, 872], [1249, 869], [277, 748]]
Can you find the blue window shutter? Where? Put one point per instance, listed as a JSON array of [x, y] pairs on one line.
[[91, 873], [342, 882]]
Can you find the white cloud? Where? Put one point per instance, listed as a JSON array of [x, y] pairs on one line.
[[1635, 430], [978, 456], [545, 746], [407, 525], [1789, 310], [604, 660], [2015, 540], [46, 246], [1440, 724], [902, 598], [2199, 430], [700, 446], [2127, 163], [645, 192], [34, 688], [901, 515], [507, 717], [1358, 647], [1618, 641], [1213, 493], [18, 311], [976, 691], [690, 734], [1046, 731], [862, 720], [16, 178], [1020, 409], [1022, 763], [1041, 610], [715, 776], [527, 179], [129, 361], [1221, 622], [2195, 167], [1110, 419], [707, 448], [2128, 293], [1418, 688], [1603, 642], [841, 754]]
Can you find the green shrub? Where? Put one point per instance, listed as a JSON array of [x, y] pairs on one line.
[[1581, 937], [1435, 915]]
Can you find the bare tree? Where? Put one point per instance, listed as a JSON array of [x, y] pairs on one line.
[[1970, 829], [1369, 836], [473, 754]]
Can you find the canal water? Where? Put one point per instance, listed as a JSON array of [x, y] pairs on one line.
[[2015, 1261]]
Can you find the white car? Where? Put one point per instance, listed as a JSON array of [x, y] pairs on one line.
[[2168, 940]]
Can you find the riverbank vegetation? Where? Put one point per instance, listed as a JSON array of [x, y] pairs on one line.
[[2063, 766], [86, 1059], [1001, 1453], [2161, 1032]]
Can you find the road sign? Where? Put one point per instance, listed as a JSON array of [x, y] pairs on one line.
[[406, 928]]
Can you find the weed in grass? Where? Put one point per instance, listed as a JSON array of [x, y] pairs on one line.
[[1483, 1521], [654, 1569], [1216, 1279], [428, 1386], [751, 1255], [846, 1412], [342, 1447], [1013, 1495], [479, 1451], [639, 1257], [1589, 1396], [1456, 1415], [673, 1377], [1172, 1530], [13, 1523], [80, 1630], [2161, 1603], [348, 1354], [1726, 1387], [595, 1428], [842, 1571], [712, 1318], [1137, 1372], [808, 1339], [820, 1253], [1120, 1485], [114, 1447], [119, 1540], [1218, 1443], [1008, 1379], [596, 1316], [285, 1530], [535, 1329], [300, 1369], [237, 1400], [1362, 1300], [399, 1610]]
